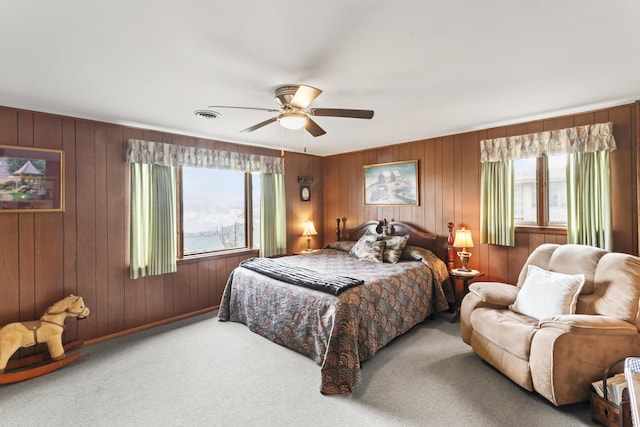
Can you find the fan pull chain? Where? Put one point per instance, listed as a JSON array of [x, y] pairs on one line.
[[281, 141]]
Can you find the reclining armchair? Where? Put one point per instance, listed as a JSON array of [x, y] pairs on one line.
[[573, 311]]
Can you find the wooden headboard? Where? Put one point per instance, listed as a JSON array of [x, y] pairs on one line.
[[441, 246]]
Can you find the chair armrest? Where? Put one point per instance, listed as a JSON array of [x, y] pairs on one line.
[[484, 294], [494, 293], [590, 324]]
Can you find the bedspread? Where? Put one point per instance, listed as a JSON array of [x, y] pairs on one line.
[[338, 332]]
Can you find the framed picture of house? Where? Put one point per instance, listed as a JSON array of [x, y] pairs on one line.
[[31, 179], [391, 184]]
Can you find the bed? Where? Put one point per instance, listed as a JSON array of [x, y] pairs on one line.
[[339, 328]]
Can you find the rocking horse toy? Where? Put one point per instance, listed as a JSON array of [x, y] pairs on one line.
[[46, 330]]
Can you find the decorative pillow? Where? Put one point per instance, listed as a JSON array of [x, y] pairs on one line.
[[545, 293], [369, 248], [371, 251], [342, 245], [394, 246], [366, 237]]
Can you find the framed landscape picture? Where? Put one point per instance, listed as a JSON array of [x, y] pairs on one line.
[[31, 180], [391, 183]]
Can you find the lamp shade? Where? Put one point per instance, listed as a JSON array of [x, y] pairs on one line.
[[293, 120], [463, 239], [309, 229]]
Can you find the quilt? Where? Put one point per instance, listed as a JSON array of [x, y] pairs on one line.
[[340, 332]]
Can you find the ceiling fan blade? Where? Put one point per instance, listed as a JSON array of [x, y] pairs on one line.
[[244, 108], [313, 128], [259, 125], [304, 96], [340, 112]]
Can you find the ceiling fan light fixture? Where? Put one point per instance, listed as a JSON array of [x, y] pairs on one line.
[[292, 120]]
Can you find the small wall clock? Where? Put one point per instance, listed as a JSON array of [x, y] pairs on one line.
[[305, 193]]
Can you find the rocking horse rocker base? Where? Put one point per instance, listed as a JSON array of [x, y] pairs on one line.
[[14, 374], [47, 330]]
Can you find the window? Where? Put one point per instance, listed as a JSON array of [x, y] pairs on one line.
[[572, 189], [524, 191], [179, 208], [540, 191], [220, 210], [255, 198], [557, 190]]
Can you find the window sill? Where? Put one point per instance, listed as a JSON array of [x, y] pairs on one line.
[[541, 229], [217, 255]]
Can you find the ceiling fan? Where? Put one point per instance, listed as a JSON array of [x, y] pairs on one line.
[[292, 114]]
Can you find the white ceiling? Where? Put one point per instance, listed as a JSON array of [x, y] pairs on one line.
[[427, 68]]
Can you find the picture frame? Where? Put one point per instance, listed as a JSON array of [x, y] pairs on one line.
[[31, 179], [305, 193], [391, 184]]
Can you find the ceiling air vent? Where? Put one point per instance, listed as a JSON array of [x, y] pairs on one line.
[[207, 114]]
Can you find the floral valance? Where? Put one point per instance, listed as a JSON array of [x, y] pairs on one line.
[[579, 139], [159, 153]]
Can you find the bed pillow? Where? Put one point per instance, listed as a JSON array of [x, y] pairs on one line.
[[369, 247], [393, 248], [546, 293]]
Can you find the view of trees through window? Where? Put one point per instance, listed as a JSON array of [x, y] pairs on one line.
[[214, 214], [527, 176]]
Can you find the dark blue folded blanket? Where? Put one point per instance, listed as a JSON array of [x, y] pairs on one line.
[[300, 276]]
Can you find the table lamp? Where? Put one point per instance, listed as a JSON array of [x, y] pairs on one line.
[[309, 230], [463, 240]]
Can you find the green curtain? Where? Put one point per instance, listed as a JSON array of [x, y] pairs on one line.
[[589, 199], [496, 204], [153, 220], [273, 230]]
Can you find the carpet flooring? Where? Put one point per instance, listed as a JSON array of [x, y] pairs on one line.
[[203, 372]]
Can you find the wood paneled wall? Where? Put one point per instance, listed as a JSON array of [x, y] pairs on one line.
[[450, 170], [45, 256], [84, 251], [299, 212]]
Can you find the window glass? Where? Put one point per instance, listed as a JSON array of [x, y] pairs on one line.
[[527, 178], [557, 166], [213, 210], [524, 191], [255, 197]]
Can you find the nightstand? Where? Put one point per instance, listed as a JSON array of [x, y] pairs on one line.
[[465, 276]]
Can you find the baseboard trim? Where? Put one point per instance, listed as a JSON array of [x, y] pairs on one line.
[[149, 326]]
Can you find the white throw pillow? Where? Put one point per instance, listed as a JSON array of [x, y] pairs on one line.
[[546, 293]]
